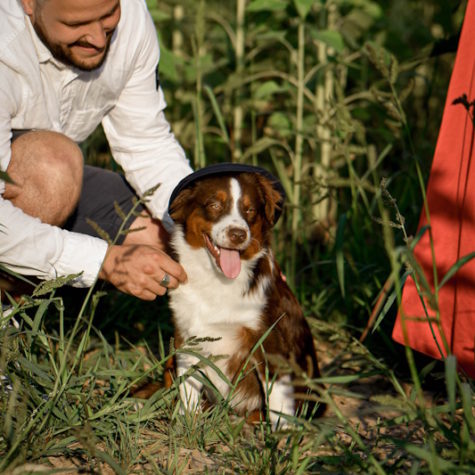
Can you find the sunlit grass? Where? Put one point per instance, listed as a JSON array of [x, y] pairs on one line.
[[375, 423]]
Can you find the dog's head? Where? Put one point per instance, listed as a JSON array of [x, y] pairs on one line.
[[230, 215]]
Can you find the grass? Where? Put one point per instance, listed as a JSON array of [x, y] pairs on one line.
[[70, 406], [330, 97]]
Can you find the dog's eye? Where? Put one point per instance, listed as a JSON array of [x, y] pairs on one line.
[[250, 212], [215, 206]]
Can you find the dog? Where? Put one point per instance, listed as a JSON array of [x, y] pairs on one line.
[[236, 303]]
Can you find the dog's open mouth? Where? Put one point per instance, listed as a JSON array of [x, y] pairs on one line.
[[228, 260]]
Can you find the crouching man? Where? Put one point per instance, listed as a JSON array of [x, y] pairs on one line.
[[65, 67]]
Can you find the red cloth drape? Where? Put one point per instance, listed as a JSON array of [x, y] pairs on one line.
[[451, 202]]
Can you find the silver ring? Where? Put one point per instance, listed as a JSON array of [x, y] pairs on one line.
[[165, 282]]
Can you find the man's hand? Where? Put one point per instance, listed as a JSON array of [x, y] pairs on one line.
[[137, 269]]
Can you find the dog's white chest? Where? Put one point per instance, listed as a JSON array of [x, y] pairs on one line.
[[215, 309], [211, 305]]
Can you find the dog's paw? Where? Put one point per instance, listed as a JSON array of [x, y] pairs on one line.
[[190, 396], [279, 421]]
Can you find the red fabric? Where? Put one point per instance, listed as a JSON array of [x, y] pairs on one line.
[[451, 202]]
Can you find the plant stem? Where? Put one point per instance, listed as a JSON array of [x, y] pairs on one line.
[[298, 159], [198, 108], [177, 36], [323, 94], [238, 112]]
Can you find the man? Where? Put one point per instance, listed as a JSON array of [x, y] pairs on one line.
[[66, 66]]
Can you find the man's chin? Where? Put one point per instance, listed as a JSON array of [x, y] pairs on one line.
[[70, 55], [86, 63]]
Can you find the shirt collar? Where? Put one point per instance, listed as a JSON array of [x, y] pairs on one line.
[[44, 54]]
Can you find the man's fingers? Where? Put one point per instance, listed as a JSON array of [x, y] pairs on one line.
[[146, 290], [168, 273], [139, 270], [162, 264], [174, 270]]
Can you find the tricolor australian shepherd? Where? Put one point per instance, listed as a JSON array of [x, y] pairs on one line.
[[236, 301]]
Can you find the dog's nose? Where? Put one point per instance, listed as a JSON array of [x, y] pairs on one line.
[[237, 235]]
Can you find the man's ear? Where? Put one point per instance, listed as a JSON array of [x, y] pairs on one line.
[[28, 7]]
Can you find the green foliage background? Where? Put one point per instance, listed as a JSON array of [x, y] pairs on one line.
[[342, 99]]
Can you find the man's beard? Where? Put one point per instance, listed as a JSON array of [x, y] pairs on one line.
[[65, 55]]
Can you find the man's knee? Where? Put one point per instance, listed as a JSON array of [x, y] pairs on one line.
[[47, 169]]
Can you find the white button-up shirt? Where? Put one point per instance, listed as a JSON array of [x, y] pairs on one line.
[[39, 92]]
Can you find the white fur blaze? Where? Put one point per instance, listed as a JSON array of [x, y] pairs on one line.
[[190, 388], [233, 219], [281, 402]]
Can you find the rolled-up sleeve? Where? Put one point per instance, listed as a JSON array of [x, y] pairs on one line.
[[33, 248]]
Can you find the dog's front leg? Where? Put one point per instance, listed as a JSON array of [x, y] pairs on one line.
[[281, 403], [190, 388]]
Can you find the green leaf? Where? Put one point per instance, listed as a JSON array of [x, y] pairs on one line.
[[372, 9], [387, 306], [260, 146], [453, 269], [331, 38], [48, 286], [109, 460], [167, 64], [35, 370], [303, 7], [467, 398], [157, 14], [4, 176], [450, 381], [420, 277], [217, 113], [283, 175], [430, 458], [344, 379], [42, 307], [340, 258], [266, 5], [278, 36], [267, 89], [280, 123], [8, 271]]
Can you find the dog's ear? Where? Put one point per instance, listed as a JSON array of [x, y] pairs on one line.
[[179, 205], [270, 196]]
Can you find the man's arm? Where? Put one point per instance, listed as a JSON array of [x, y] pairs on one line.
[[46, 169], [33, 248], [137, 130]]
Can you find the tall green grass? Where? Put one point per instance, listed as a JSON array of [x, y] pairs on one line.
[[88, 420], [331, 97]]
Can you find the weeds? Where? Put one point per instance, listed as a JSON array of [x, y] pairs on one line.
[[376, 423]]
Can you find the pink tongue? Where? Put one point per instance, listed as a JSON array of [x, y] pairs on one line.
[[230, 263]]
